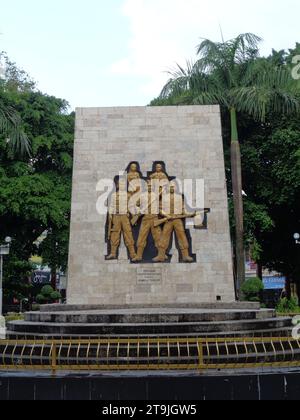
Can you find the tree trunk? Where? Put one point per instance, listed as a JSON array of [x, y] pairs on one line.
[[288, 287], [53, 278], [259, 272], [236, 170], [298, 291]]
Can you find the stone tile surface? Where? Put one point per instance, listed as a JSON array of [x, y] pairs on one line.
[[189, 141]]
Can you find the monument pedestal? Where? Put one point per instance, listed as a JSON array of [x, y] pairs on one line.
[[206, 320]]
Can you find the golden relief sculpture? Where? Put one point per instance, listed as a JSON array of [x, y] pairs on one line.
[[159, 173], [150, 212], [173, 222], [134, 177], [119, 222], [149, 201]]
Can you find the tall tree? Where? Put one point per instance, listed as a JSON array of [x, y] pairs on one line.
[[271, 169], [11, 126], [233, 75], [35, 190]]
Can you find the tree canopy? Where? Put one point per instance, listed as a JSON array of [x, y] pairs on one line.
[[11, 127], [270, 142], [35, 188]]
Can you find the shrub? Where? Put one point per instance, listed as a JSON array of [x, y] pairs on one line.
[[252, 289], [55, 296], [48, 295], [287, 306], [46, 291], [41, 298], [14, 317]]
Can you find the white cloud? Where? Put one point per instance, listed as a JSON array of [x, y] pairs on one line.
[[161, 31], [166, 32]]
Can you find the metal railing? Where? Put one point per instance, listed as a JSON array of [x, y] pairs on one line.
[[149, 354]]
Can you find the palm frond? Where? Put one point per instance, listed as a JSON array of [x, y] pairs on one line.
[[18, 142], [244, 47], [267, 89], [232, 74], [11, 128], [226, 58], [194, 84]]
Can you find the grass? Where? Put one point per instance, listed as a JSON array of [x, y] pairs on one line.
[[14, 317]]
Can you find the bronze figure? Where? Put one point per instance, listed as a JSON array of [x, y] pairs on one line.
[[149, 209], [119, 222], [173, 222]]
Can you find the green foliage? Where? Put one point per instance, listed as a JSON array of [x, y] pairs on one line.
[[16, 273], [35, 190], [232, 74], [267, 100], [14, 137], [14, 317], [252, 289], [288, 306], [272, 182], [41, 299], [46, 291], [48, 295], [55, 296], [249, 89]]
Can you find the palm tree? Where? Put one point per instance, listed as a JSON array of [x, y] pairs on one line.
[[233, 75], [11, 128]]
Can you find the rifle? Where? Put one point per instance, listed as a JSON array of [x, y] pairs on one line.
[[160, 222]]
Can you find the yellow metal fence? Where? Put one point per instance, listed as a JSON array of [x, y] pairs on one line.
[[149, 354]]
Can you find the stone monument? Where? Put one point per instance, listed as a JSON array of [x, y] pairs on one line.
[[128, 161], [147, 256]]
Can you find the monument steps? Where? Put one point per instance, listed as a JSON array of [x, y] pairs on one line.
[[276, 332], [202, 320], [214, 306], [148, 328], [157, 316]]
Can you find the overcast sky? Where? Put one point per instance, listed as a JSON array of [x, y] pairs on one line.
[[117, 52]]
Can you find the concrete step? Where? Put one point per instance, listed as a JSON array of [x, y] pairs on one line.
[[147, 328], [210, 306], [276, 332], [142, 316]]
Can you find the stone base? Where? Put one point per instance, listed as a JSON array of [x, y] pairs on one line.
[[211, 306], [238, 319]]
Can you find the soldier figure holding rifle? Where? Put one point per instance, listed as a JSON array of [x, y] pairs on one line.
[[149, 209], [119, 222], [173, 221]]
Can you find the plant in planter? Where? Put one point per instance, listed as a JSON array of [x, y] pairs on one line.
[[48, 295]]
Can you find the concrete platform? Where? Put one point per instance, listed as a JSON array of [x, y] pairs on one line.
[[203, 321], [209, 306], [150, 315]]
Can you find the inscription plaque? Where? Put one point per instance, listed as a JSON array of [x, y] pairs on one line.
[[149, 275]]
